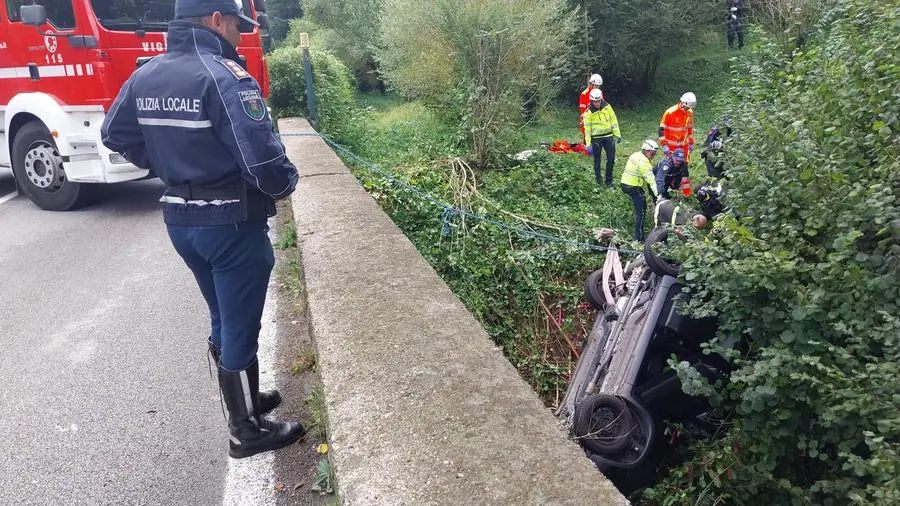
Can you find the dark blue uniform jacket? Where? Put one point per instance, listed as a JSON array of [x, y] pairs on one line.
[[196, 117], [668, 176]]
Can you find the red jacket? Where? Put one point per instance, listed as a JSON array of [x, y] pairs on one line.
[[676, 129]]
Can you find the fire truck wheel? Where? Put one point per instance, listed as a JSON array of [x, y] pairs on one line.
[[39, 172]]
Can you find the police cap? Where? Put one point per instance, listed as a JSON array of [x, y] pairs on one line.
[[200, 8]]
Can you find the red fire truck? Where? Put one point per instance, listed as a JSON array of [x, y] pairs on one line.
[[58, 77]]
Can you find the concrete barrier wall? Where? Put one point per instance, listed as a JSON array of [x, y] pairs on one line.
[[422, 407]]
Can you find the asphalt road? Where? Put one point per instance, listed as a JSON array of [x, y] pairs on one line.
[[105, 396]]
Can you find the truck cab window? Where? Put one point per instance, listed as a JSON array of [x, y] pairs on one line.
[[59, 12], [147, 15]]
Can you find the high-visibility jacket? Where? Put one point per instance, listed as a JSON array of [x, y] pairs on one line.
[[600, 122], [667, 211], [639, 171], [676, 129]]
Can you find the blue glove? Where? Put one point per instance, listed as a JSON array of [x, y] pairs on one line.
[[665, 149], [590, 150], [691, 148], [619, 140]]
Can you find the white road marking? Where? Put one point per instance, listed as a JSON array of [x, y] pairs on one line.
[[251, 481], [9, 196]]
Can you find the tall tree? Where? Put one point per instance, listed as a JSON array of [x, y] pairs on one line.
[[356, 25], [281, 12]]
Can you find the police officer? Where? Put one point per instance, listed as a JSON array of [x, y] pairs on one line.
[[669, 173], [197, 119]]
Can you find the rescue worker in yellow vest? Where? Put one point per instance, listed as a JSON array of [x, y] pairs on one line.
[[638, 174], [668, 211], [601, 131]]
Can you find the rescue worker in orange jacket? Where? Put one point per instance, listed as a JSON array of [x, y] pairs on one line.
[[676, 128], [584, 100]]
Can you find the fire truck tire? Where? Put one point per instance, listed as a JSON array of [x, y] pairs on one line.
[[39, 173], [658, 264]]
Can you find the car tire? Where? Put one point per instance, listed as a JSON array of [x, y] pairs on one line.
[[656, 263], [38, 169], [593, 289], [615, 417]]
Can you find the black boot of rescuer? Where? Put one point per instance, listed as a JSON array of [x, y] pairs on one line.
[[268, 399], [251, 433]]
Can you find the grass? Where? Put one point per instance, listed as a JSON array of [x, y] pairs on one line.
[[315, 407], [306, 360]]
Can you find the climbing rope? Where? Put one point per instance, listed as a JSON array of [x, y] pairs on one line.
[[450, 211]]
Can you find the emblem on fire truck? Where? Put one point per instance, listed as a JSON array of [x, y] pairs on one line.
[[50, 43]]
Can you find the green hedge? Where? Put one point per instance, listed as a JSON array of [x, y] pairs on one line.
[[807, 272], [332, 84]]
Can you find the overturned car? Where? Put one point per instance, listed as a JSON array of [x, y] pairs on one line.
[[623, 395]]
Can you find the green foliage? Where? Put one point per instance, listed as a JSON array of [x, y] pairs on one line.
[[332, 84], [806, 271], [353, 28], [475, 61], [323, 481], [627, 41], [280, 13]]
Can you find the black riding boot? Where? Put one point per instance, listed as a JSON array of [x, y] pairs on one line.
[[268, 399], [251, 433]]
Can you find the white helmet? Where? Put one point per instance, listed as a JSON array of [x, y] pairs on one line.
[[689, 100], [596, 80], [649, 145], [596, 94]]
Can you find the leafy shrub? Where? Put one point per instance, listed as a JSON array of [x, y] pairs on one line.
[[475, 61], [807, 272], [332, 85]]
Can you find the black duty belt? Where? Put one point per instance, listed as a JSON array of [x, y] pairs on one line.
[[197, 192], [255, 205]]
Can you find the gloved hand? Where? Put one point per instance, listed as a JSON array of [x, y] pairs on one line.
[[618, 140], [665, 149], [590, 150], [691, 148]]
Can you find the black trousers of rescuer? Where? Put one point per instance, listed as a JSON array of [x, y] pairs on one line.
[[640, 205], [608, 144]]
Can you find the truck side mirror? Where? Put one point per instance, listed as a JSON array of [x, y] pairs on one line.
[[260, 5], [263, 21], [35, 15]]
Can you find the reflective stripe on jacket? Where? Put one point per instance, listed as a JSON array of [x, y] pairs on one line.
[[638, 171], [676, 128], [600, 122]]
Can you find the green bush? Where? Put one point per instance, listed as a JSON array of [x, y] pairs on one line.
[[806, 271], [476, 61], [332, 85]]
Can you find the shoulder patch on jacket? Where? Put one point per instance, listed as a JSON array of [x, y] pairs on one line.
[[233, 67], [253, 105]]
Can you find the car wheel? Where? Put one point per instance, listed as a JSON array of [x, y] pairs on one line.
[[593, 289], [603, 424], [656, 263]]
